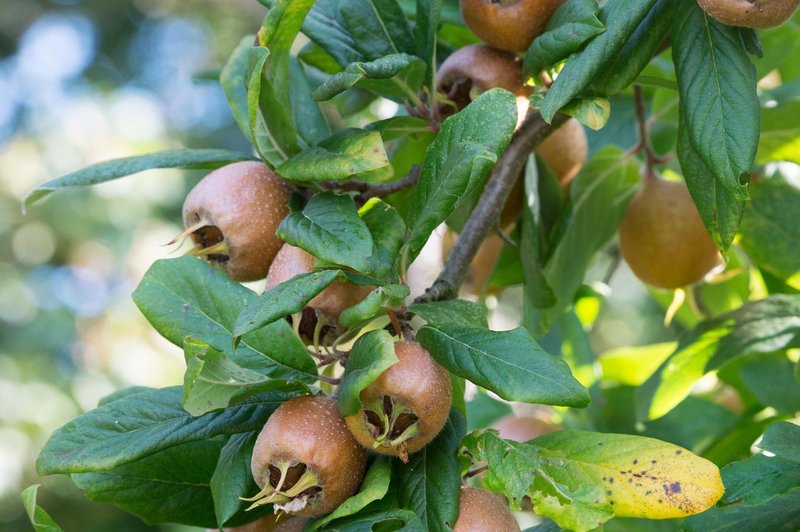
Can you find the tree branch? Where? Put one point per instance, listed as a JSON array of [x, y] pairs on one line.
[[368, 190], [486, 213]]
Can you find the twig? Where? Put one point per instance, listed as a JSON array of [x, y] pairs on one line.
[[486, 213], [651, 159], [367, 190], [475, 472]]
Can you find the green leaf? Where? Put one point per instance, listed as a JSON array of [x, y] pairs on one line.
[[372, 354], [633, 365], [271, 148], [389, 296], [780, 133], [451, 312], [187, 297], [374, 487], [429, 16], [769, 232], [110, 170], [232, 477], [212, 381], [399, 126], [719, 103], [625, 66], [388, 232], [371, 521], [533, 241], [764, 326], [509, 363], [171, 486], [599, 197], [771, 380], [283, 300], [312, 127], [329, 228], [620, 20], [459, 160], [400, 77], [430, 483], [41, 521], [141, 425], [348, 152], [720, 209], [574, 23], [234, 83]]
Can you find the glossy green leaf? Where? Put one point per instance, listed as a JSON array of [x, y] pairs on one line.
[[233, 79], [372, 354], [374, 487], [283, 300], [329, 228], [213, 381], [717, 86], [388, 232], [574, 23], [403, 73], [770, 378], [170, 486], [633, 365], [270, 148], [429, 16], [451, 312], [312, 127], [430, 483], [187, 297], [780, 133], [141, 425], [110, 170], [764, 326], [232, 477], [40, 520], [620, 20], [380, 520], [509, 363], [348, 152], [389, 296], [459, 160]]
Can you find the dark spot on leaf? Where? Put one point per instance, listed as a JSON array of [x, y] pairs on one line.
[[608, 492], [611, 480], [653, 462], [611, 503], [630, 481], [185, 307], [660, 501], [635, 461], [648, 492], [678, 452], [675, 487]]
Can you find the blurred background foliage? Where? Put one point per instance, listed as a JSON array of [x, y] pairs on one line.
[[83, 81]]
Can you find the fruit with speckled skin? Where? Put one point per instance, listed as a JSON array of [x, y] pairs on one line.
[[565, 151], [270, 523], [662, 236], [339, 295], [508, 24], [406, 406], [479, 511], [750, 13], [232, 215], [474, 69], [306, 459]]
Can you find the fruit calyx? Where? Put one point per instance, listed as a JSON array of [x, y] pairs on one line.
[[391, 424], [288, 486]]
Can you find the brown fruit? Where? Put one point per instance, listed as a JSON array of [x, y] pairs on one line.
[[750, 13], [232, 215], [508, 24], [406, 406], [474, 69], [565, 151], [270, 523], [662, 236], [480, 511], [339, 295], [523, 428], [305, 459]]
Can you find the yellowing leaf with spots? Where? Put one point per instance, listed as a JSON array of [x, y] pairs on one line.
[[582, 479]]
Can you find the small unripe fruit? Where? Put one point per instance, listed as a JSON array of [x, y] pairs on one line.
[[339, 295], [481, 511], [474, 69], [406, 406], [305, 458], [662, 236], [750, 13], [508, 24], [565, 151], [232, 214]]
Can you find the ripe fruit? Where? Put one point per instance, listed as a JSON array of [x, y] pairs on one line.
[[339, 295], [480, 510], [508, 24], [662, 236], [474, 69], [565, 151], [305, 459], [270, 523], [232, 215], [523, 428], [750, 13], [406, 406]]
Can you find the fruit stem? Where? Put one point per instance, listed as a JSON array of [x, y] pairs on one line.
[[395, 323], [180, 237], [651, 159]]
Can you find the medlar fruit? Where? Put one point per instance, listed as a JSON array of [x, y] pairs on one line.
[[232, 215], [662, 236], [406, 406], [270, 523], [565, 151], [305, 458], [339, 295], [474, 69], [479, 510], [508, 24], [750, 13]]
